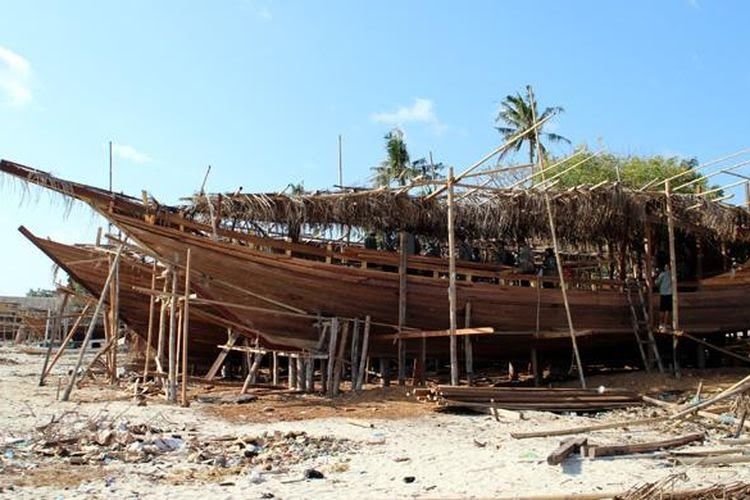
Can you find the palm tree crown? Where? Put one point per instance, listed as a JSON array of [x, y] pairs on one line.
[[517, 114]]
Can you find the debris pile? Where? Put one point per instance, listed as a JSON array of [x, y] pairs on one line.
[[80, 440]]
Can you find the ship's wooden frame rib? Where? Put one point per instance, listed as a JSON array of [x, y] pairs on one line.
[[276, 290]]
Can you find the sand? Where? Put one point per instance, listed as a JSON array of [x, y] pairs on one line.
[[447, 455]]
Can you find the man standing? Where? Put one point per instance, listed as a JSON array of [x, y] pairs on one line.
[[664, 283]]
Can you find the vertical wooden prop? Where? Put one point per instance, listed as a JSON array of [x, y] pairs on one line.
[[362, 370], [150, 330], [332, 354], [402, 269], [310, 375], [301, 373], [355, 352], [556, 248], [339, 365], [186, 330], [452, 279], [172, 376], [92, 324], [162, 326], [292, 368], [114, 324], [275, 368], [468, 349], [673, 272]]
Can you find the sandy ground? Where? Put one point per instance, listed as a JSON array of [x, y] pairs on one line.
[[391, 438]]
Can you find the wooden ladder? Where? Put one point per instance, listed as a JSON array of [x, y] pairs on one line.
[[642, 328]]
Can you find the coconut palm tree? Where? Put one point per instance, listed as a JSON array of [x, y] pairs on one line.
[[398, 167], [517, 114]]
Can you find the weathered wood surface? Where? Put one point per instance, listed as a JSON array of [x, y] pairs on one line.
[[566, 449]]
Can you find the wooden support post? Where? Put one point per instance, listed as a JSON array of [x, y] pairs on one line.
[[332, 354], [68, 337], [292, 379], [452, 279], [423, 362], [310, 375], [556, 248], [275, 368], [92, 324], [216, 366], [323, 376], [339, 365], [150, 329], [301, 373], [385, 372], [114, 306], [162, 326], [535, 366], [648, 247], [55, 326], [673, 271], [252, 372], [185, 329], [468, 349], [172, 375], [362, 370], [402, 270], [354, 358]]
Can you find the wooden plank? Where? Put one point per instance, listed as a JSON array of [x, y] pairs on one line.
[[223, 353], [629, 449], [588, 428], [362, 370], [566, 448]]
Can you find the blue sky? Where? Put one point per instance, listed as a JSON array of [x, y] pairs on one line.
[[261, 89]]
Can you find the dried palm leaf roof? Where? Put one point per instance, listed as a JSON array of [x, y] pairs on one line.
[[582, 215]]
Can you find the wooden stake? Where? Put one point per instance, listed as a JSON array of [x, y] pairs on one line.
[[310, 375], [452, 279], [92, 324], [216, 366], [673, 272], [468, 349], [186, 329], [402, 269], [301, 374], [162, 326], [150, 330], [114, 325], [362, 370]]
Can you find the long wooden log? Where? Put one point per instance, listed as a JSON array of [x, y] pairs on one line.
[[701, 413], [185, 329], [53, 332], [630, 449], [452, 279], [150, 329], [68, 337], [588, 428]]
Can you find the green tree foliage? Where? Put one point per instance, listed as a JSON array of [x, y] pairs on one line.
[[40, 292], [633, 171], [398, 167], [517, 114]]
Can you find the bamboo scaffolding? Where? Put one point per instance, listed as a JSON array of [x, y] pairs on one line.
[[186, 330]]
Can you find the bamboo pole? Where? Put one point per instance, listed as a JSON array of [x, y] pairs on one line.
[[332, 354], [362, 370], [114, 325], [556, 249], [275, 368], [52, 333], [468, 349], [402, 268], [172, 375], [355, 351], [339, 365], [673, 277], [67, 338], [162, 326], [150, 330], [92, 324], [185, 330], [452, 279]]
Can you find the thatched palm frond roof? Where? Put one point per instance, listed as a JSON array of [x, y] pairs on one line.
[[582, 215]]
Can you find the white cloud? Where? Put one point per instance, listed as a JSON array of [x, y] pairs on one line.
[[422, 111], [129, 153], [15, 78], [694, 4]]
